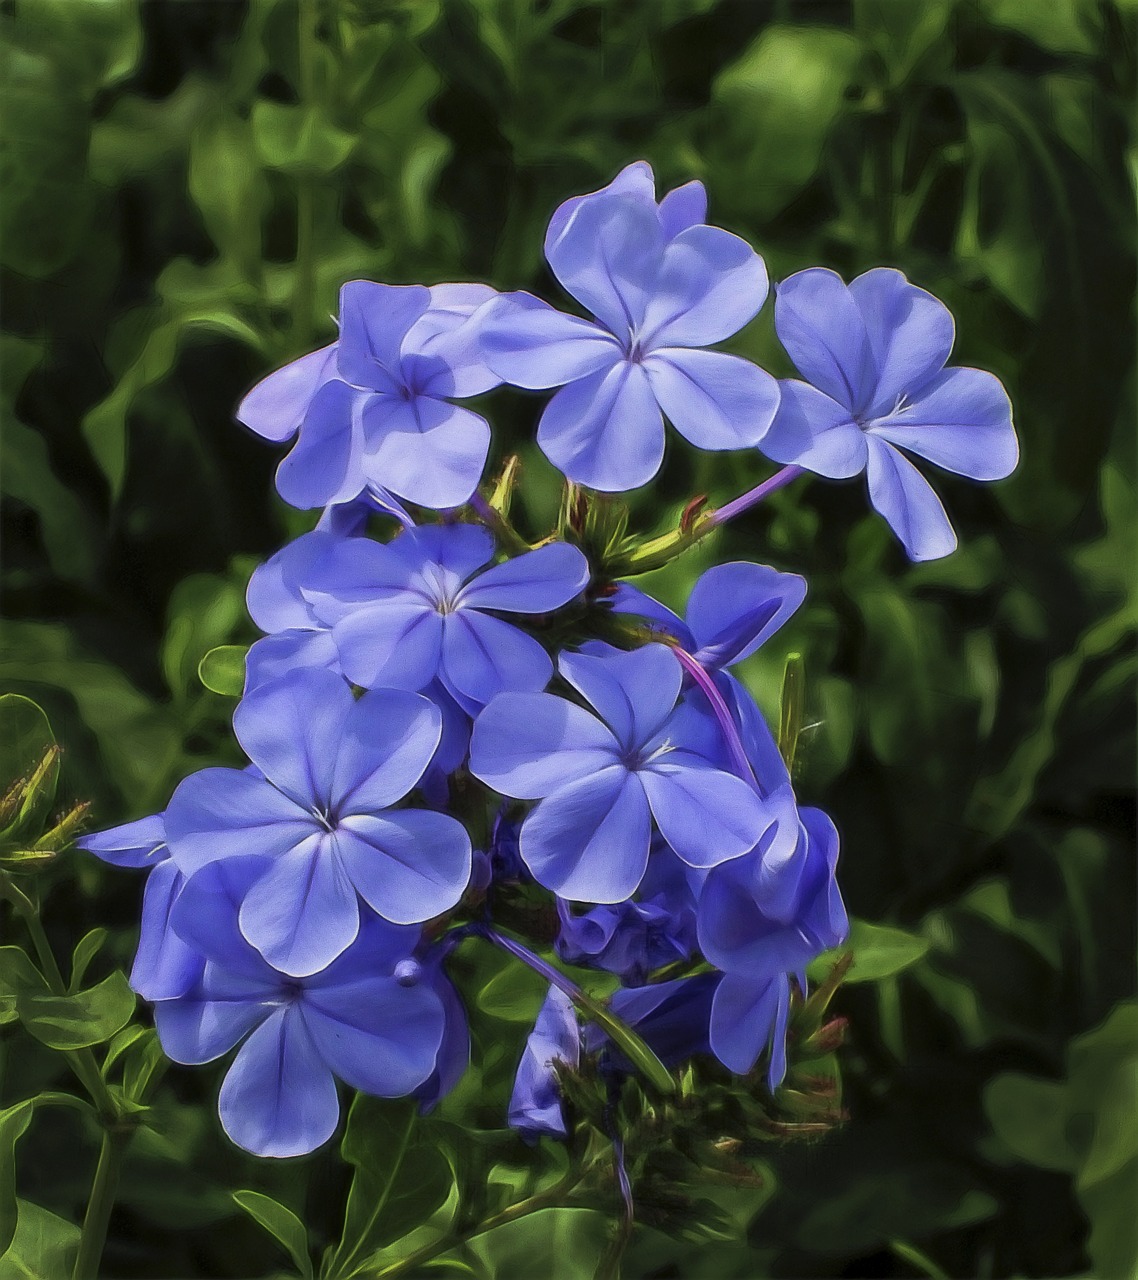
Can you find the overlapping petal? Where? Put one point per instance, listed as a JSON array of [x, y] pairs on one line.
[[706, 815], [530, 344], [277, 405], [824, 333], [815, 431], [715, 401], [736, 607], [433, 454], [633, 693], [483, 656], [388, 739], [374, 320]]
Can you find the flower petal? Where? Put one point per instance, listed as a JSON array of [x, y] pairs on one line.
[[589, 840], [374, 319], [824, 333], [526, 745], [279, 1097], [275, 596], [164, 965], [459, 550], [194, 1030], [910, 333], [408, 865], [629, 599], [274, 657], [710, 284], [734, 608], [302, 913], [276, 406], [907, 501], [484, 656], [388, 740], [397, 644], [376, 1035], [530, 344], [450, 331], [715, 401], [323, 465], [962, 421], [205, 916], [636, 180], [607, 256], [706, 815], [432, 456], [534, 582], [816, 432], [141, 843], [748, 1014], [633, 693], [682, 208], [224, 813]]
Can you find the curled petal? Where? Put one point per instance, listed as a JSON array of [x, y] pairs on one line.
[[682, 208], [134, 844], [736, 607], [748, 1015]]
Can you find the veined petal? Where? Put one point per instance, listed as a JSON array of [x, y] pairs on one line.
[[408, 864], [450, 331], [433, 457], [279, 1097], [605, 430], [397, 644], [302, 913], [274, 657], [526, 745], [589, 841], [459, 550], [910, 333], [816, 432], [276, 406], [714, 400], [706, 815], [374, 319], [141, 843], [633, 693], [608, 257], [748, 1015], [355, 573], [228, 813], [534, 582], [961, 420], [376, 1035], [736, 607], [273, 596], [530, 344], [907, 501], [824, 333], [683, 207], [323, 465], [483, 656], [388, 740], [636, 180], [194, 1029], [710, 284], [291, 730]]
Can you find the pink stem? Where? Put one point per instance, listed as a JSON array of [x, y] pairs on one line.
[[722, 714], [754, 496]]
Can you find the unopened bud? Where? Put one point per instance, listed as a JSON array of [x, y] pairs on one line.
[[827, 1038], [408, 972], [65, 830], [692, 512]]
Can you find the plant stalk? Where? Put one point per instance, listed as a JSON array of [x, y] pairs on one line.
[[99, 1206]]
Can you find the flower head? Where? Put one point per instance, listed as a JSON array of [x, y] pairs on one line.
[[873, 357]]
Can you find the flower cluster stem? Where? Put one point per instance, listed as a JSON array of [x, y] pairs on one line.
[[99, 1206]]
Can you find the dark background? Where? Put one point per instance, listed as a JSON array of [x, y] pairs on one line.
[[185, 185]]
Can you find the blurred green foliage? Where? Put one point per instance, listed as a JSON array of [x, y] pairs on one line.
[[184, 185]]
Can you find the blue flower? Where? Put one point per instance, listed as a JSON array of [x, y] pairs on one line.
[[417, 610], [759, 938], [873, 355], [603, 780], [535, 1104], [366, 1018], [672, 1017], [319, 809], [164, 965], [662, 286], [373, 410]]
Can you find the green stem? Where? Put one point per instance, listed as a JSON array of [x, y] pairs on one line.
[[82, 1061], [101, 1203]]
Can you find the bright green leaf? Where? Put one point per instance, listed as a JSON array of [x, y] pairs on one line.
[[13, 1123], [86, 949], [281, 1223], [81, 1020], [44, 1246], [222, 670], [299, 140]]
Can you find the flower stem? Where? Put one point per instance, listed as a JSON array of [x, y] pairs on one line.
[[753, 496], [722, 714], [101, 1203]]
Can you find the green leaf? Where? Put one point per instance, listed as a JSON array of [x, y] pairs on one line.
[[13, 1123], [555, 1244], [281, 1223], [401, 1178], [1065, 27], [879, 951], [514, 994], [86, 949], [228, 186], [18, 976], [299, 140], [1029, 1116], [204, 610], [81, 1020], [223, 669], [44, 1246], [25, 738]]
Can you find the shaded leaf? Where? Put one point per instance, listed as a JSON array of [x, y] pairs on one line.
[[281, 1223]]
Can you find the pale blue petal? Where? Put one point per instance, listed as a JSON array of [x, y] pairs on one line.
[[194, 1030], [710, 284], [274, 597], [813, 431], [450, 330], [907, 501], [388, 740], [714, 400], [141, 843], [605, 430], [374, 319], [459, 550], [534, 582], [636, 180], [962, 421], [205, 915], [824, 333], [746, 1014], [706, 815], [397, 644], [526, 745], [279, 1098], [276, 656], [484, 656], [529, 344], [323, 466], [164, 965], [408, 865], [433, 457], [736, 607], [682, 208], [633, 693], [276, 406], [589, 841], [629, 599]]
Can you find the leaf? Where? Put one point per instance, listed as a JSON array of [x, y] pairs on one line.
[[25, 739], [86, 949], [13, 1124], [281, 1223], [1062, 28], [229, 188], [1029, 1116], [299, 140], [514, 994], [81, 1020], [18, 975], [204, 609], [44, 1246], [222, 670], [879, 951], [555, 1244]]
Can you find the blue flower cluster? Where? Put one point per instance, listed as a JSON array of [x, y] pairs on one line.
[[445, 679]]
